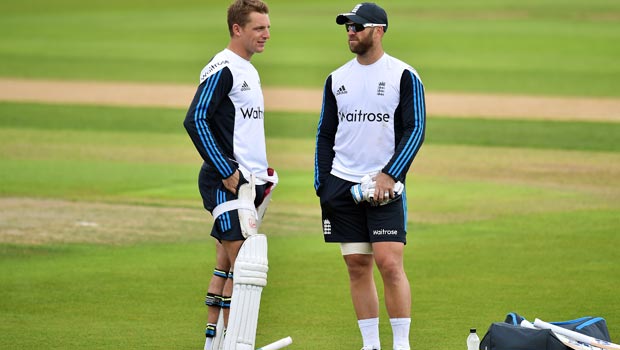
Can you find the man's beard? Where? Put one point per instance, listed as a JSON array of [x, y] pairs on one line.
[[361, 47]]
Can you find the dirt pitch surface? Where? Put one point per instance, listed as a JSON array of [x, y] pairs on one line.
[[43, 221], [309, 100]]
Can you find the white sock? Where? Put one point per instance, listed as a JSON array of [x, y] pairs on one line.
[[400, 330], [370, 332]]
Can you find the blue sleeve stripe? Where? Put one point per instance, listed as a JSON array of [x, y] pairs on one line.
[[203, 129], [200, 119], [316, 148], [205, 133], [415, 139]]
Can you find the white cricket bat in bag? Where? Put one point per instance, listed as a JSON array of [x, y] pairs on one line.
[[603, 344], [571, 343]]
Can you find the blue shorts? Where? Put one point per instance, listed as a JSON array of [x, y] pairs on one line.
[[226, 227], [345, 221]]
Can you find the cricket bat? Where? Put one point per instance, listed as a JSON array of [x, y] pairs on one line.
[[603, 344], [278, 344]]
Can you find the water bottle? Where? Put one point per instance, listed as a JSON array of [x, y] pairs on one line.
[[473, 342]]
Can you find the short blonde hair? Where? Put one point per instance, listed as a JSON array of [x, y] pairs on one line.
[[239, 12]]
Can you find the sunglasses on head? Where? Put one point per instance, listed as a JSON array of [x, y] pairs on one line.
[[356, 27]]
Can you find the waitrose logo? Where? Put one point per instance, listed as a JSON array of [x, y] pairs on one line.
[[212, 67], [361, 117], [252, 113], [384, 232]]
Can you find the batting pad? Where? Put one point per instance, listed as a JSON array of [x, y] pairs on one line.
[[250, 277], [218, 340]]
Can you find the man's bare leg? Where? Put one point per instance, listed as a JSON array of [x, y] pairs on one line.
[[364, 296], [362, 285], [389, 259]]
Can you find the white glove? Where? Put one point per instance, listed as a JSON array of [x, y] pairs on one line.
[[365, 191], [247, 215]]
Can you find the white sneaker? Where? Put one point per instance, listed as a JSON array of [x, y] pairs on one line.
[[402, 348], [370, 348]]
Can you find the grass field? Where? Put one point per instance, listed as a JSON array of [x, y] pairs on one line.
[[103, 241], [510, 46], [105, 244]]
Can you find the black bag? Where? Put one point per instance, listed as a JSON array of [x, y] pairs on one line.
[[511, 336], [592, 326], [504, 336]]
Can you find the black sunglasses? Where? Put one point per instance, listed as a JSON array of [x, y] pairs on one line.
[[356, 27]]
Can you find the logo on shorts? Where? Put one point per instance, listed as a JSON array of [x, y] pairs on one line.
[[327, 227], [384, 232]]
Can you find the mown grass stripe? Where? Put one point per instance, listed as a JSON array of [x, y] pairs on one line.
[[538, 134]]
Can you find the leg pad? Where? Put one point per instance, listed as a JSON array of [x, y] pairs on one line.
[[250, 277]]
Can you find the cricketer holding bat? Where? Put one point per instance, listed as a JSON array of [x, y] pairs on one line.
[[371, 127], [226, 124]]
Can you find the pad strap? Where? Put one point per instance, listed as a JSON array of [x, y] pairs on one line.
[[244, 204], [234, 204], [220, 273], [211, 330], [226, 302], [214, 300]]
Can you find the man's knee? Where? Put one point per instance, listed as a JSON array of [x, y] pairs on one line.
[[359, 265], [391, 268], [389, 258]]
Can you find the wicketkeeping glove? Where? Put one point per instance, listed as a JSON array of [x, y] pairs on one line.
[[365, 191]]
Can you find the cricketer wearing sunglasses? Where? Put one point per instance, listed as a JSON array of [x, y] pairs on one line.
[[371, 127]]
